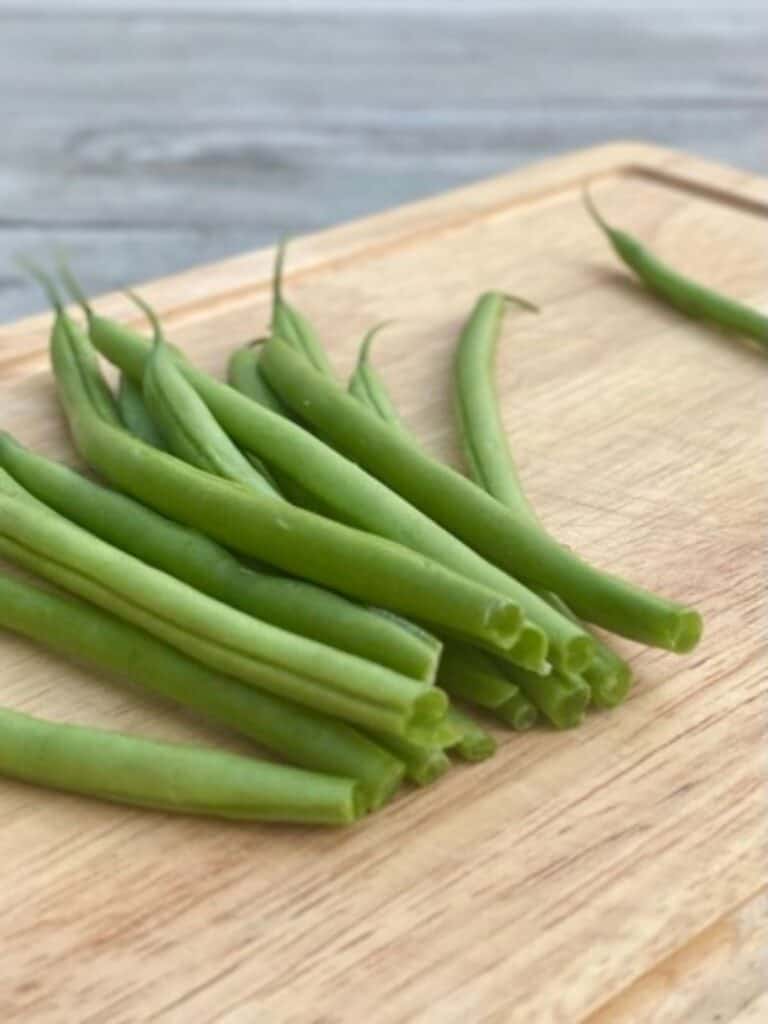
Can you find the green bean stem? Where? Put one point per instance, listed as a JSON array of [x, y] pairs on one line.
[[369, 568], [502, 535], [289, 323], [690, 297], [170, 776]]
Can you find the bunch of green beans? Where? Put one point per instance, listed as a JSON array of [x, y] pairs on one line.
[[465, 671], [304, 738], [265, 526], [328, 666]]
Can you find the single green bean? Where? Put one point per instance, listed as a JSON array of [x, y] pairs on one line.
[[244, 375], [134, 415], [170, 776], [476, 744], [289, 323], [492, 466], [369, 568], [223, 638], [500, 534], [306, 739], [690, 297]]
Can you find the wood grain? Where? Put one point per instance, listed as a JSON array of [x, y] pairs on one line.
[[148, 136], [594, 875]]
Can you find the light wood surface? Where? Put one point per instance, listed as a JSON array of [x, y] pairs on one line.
[[615, 873], [150, 136]]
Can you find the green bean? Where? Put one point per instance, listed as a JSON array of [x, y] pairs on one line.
[[519, 713], [290, 324], [356, 497], [302, 670], [474, 677], [134, 415], [481, 432], [476, 744], [309, 740], [563, 700], [170, 776], [492, 466], [189, 428], [306, 545], [690, 297], [423, 764], [244, 375], [366, 386], [607, 676], [292, 604], [500, 534]]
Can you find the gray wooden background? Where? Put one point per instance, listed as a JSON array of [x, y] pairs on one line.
[[146, 138]]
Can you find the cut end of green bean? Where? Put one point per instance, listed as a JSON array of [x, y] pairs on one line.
[[429, 710], [504, 625], [609, 689], [530, 650], [685, 632], [519, 713], [433, 767], [577, 654]]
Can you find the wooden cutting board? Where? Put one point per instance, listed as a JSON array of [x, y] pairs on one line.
[[614, 873]]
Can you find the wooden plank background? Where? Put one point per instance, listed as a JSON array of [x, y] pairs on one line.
[[616, 873], [151, 137]]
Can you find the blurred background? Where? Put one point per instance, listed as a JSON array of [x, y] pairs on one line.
[[149, 137]]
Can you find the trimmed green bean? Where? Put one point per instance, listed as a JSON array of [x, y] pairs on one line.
[[134, 415], [423, 765], [306, 739], [223, 638], [502, 535], [476, 744], [563, 700], [688, 296], [369, 568], [474, 677], [492, 466], [170, 776], [292, 604]]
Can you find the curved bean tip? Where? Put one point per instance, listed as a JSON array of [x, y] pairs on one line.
[[71, 283], [593, 211], [44, 279], [277, 276], [157, 331], [365, 346]]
